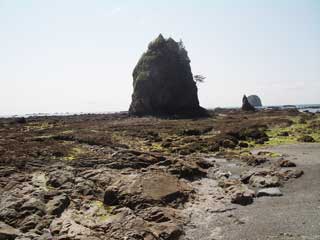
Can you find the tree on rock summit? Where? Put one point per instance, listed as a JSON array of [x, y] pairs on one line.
[[163, 83]]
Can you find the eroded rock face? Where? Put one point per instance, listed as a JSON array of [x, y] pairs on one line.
[[246, 106], [7, 232], [163, 82], [255, 101]]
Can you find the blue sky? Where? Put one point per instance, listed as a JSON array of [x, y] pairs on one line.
[[78, 56]]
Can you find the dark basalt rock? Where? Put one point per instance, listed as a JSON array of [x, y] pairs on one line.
[[306, 138], [20, 120], [111, 196], [286, 163], [58, 204], [255, 101], [246, 106], [163, 82]]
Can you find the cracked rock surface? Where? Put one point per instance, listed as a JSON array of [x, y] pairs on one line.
[[120, 177]]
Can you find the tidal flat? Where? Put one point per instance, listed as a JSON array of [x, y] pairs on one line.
[[115, 176]]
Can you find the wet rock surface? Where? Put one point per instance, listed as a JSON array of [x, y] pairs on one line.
[[115, 176]]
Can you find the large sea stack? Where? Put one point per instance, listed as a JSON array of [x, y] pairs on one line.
[[163, 83], [246, 106], [254, 100]]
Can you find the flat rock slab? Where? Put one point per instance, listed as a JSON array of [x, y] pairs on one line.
[[271, 192], [156, 187], [7, 232], [159, 185], [264, 181]]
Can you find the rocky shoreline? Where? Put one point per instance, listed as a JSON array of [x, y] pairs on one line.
[[120, 177]]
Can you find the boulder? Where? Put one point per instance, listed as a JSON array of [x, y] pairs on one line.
[[246, 106], [271, 192], [241, 194], [264, 181], [283, 134], [286, 174], [217, 173], [227, 143], [187, 170], [306, 138], [286, 163], [255, 101], [58, 204], [254, 161], [204, 163], [243, 145], [163, 83], [252, 133], [111, 196]]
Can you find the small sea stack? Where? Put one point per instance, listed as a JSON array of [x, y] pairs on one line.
[[246, 106]]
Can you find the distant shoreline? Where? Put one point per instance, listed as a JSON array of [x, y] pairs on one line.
[[61, 114], [301, 107]]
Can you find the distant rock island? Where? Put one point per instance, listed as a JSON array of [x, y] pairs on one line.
[[254, 100], [246, 106], [163, 83]]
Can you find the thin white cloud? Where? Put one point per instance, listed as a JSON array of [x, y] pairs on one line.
[[115, 11]]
